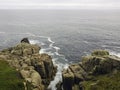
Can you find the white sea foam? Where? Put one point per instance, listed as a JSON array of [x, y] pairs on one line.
[[34, 41], [58, 76], [114, 53], [50, 53], [56, 61], [57, 48], [51, 45], [49, 39], [60, 66], [42, 51], [41, 43]]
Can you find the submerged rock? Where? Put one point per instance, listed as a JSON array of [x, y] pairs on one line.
[[99, 63]]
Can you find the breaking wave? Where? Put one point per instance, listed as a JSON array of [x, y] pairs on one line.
[[58, 59], [114, 53]]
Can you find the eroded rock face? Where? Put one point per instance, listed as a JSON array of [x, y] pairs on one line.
[[98, 63], [43, 64], [68, 79], [35, 68]]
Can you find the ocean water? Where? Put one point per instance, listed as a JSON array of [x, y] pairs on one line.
[[66, 35]]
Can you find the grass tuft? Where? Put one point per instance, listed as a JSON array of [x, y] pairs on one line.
[[9, 78], [103, 82]]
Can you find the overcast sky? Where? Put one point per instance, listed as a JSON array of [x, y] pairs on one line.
[[60, 4]]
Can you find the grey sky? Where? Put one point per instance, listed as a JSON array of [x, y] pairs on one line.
[[60, 4]]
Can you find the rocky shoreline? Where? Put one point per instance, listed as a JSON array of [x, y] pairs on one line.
[[38, 70], [88, 74]]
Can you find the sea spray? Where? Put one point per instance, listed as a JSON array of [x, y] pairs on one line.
[[58, 77], [115, 53], [58, 59]]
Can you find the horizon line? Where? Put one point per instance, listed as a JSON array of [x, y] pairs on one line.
[[59, 6]]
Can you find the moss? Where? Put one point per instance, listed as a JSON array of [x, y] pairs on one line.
[[29, 86], [103, 82], [100, 53], [9, 78], [87, 58]]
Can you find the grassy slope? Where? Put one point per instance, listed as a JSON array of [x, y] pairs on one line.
[[104, 82], [9, 78]]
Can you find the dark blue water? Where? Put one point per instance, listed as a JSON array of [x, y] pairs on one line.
[[75, 32]]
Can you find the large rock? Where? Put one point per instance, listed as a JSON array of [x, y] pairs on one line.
[[25, 74], [35, 78], [98, 63], [24, 49], [48, 64], [43, 64], [68, 79], [78, 72], [89, 62], [41, 69], [37, 69]]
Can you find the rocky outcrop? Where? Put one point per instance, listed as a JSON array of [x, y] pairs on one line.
[[25, 40], [37, 69], [68, 79], [98, 63]]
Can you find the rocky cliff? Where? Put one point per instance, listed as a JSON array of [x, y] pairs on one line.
[[36, 69], [98, 71]]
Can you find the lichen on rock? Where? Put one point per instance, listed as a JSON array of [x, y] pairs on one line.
[[100, 53], [92, 68], [35, 68]]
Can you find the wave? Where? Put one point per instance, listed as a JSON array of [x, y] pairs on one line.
[[58, 59], [58, 76], [114, 53], [42, 51], [34, 41], [49, 39]]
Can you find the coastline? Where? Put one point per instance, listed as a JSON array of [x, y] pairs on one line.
[[41, 72]]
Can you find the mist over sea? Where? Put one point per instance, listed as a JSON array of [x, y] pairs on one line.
[[64, 34]]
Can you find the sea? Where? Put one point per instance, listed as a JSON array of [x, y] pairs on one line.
[[66, 35]]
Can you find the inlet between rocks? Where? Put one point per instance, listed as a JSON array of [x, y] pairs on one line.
[[40, 73]]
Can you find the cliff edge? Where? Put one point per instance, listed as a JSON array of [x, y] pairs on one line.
[[37, 70], [98, 71]]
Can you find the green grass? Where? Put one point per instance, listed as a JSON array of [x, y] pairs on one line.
[[104, 82], [100, 53], [9, 78]]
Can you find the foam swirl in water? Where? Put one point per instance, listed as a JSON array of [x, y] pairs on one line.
[[58, 59]]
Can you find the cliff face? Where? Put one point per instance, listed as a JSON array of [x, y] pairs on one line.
[[97, 71], [36, 69]]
